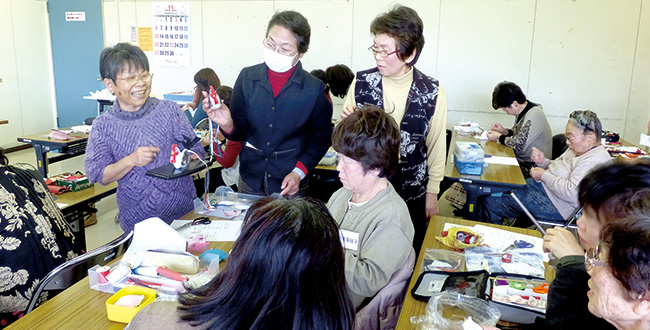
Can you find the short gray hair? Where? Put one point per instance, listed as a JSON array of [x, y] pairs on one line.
[[587, 120], [113, 60]]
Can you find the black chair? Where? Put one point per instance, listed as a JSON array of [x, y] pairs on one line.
[[72, 271], [559, 145]]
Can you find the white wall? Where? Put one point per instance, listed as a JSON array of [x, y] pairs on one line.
[[26, 90], [565, 54]]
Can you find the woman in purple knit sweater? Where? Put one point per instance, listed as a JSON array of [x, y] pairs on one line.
[[136, 135]]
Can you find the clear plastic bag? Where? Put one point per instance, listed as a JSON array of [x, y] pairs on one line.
[[515, 261], [448, 311], [445, 260]]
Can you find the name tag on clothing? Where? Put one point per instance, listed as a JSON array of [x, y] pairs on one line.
[[349, 239]]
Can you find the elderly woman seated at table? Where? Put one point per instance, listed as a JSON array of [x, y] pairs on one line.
[[610, 192], [551, 192], [373, 218], [285, 271], [34, 237], [620, 273]]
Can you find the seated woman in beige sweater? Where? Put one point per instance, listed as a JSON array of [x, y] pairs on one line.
[[551, 193]]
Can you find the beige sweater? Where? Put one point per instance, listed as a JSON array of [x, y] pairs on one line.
[[395, 94], [385, 238], [563, 175]]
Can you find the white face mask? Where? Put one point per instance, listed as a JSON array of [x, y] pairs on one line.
[[278, 62]]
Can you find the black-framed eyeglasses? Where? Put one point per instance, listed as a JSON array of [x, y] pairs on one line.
[[592, 258], [146, 77], [381, 52]]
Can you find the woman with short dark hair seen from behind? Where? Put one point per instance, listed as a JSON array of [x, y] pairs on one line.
[[203, 79], [285, 271]]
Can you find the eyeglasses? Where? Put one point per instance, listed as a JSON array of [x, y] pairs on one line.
[[131, 80], [571, 137], [270, 45], [381, 52], [591, 258]]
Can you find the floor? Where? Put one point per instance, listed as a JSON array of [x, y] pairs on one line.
[[106, 228]]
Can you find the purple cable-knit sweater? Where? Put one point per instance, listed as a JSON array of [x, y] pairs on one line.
[[117, 134]]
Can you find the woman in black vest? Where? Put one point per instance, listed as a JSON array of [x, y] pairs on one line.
[[418, 105]]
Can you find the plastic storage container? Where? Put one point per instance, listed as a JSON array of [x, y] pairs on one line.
[[125, 314], [468, 158]]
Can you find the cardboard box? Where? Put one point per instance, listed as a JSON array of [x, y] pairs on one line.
[[75, 184]]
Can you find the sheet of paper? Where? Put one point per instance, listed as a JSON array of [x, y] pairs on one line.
[[501, 239], [153, 233], [644, 140], [483, 135], [61, 205], [217, 230], [501, 160]]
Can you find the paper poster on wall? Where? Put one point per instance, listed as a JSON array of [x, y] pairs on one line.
[[145, 39], [75, 16], [171, 33]]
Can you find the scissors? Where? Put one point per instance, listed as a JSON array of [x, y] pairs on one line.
[[522, 244], [195, 222]]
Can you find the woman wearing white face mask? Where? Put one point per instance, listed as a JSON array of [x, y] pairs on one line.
[[280, 111]]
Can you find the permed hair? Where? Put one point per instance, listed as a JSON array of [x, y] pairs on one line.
[[588, 121]]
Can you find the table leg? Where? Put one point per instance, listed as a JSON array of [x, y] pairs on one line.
[[471, 201], [41, 159]]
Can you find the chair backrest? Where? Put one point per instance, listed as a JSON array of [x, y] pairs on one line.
[[569, 222], [559, 145], [382, 312], [70, 272]]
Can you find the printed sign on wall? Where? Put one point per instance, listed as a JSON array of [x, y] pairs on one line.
[[171, 33], [75, 16]]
